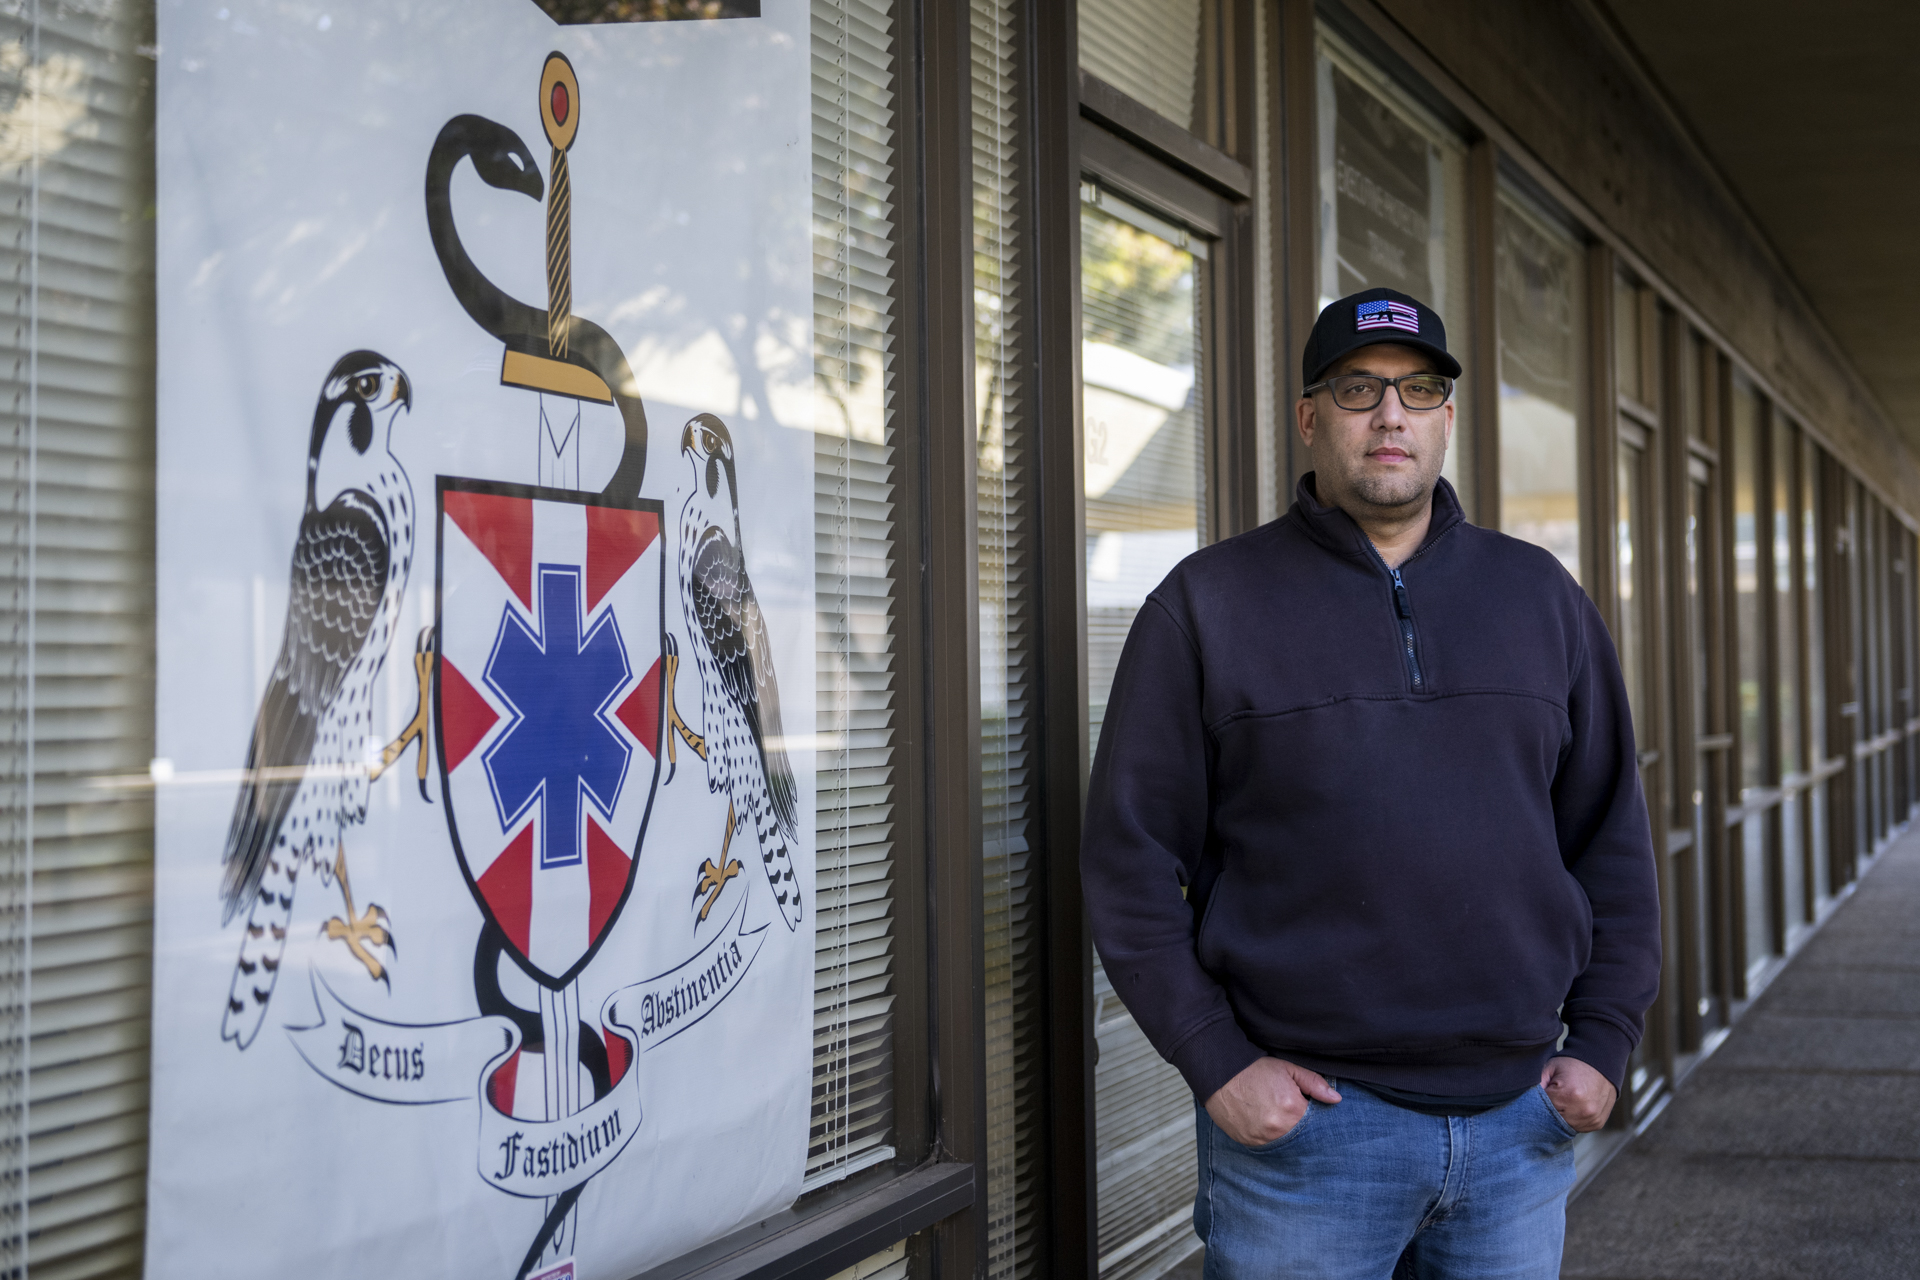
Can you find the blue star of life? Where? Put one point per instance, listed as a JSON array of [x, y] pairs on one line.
[[560, 750]]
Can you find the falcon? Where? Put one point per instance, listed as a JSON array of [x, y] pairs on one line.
[[309, 772], [742, 746]]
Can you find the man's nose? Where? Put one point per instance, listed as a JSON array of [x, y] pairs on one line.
[[1390, 414]]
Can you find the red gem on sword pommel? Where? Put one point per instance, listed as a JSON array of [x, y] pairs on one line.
[[560, 104]]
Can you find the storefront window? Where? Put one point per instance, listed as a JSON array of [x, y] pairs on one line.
[[1786, 606], [1698, 544], [1144, 503], [1786, 598], [1392, 209], [1144, 479], [1630, 538], [1868, 721], [1540, 308], [1756, 879], [1746, 581], [1816, 630], [1629, 378]]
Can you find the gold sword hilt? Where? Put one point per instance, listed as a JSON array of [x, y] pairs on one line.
[[522, 364], [560, 114]]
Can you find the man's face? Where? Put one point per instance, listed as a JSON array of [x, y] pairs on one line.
[[1386, 458]]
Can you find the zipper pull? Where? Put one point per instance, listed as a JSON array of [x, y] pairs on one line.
[[1400, 595]]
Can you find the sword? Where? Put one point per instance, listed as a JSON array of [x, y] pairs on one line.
[[560, 115]]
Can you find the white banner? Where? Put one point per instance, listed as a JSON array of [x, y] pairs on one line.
[[484, 798]]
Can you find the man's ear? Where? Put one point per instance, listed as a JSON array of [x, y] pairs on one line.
[[1304, 419]]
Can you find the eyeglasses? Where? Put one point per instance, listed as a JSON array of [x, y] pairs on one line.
[[1357, 392]]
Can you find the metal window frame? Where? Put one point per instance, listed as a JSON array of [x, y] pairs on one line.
[[1076, 124], [938, 394], [1051, 341], [833, 1230]]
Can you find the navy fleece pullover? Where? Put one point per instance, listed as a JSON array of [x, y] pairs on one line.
[[1407, 819]]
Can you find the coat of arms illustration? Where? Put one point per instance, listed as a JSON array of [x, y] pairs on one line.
[[546, 714]]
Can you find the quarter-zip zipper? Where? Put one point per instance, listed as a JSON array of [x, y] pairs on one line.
[[1405, 610], [1402, 608], [1409, 649]]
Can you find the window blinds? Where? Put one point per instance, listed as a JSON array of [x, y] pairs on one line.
[[853, 522], [76, 551], [1014, 1129], [1147, 49]]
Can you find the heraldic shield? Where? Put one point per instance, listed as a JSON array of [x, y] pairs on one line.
[[546, 705]]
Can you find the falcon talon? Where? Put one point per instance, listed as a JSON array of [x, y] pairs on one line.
[[359, 931], [712, 881], [714, 877], [382, 933]]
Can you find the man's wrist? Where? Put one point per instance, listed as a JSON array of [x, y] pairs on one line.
[[1214, 1055], [1601, 1045]]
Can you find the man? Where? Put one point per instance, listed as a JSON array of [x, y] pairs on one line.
[[1364, 830]]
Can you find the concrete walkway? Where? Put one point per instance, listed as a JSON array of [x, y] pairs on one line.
[[1794, 1151]]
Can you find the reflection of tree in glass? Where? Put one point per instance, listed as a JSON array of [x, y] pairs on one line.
[[852, 250], [1138, 294], [1137, 291], [568, 12]]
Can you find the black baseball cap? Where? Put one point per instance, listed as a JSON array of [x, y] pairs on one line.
[[1367, 319]]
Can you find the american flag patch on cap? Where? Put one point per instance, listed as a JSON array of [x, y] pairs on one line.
[[1386, 315]]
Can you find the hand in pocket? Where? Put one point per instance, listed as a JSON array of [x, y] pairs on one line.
[[1583, 1097]]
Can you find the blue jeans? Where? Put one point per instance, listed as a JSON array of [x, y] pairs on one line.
[[1364, 1190]]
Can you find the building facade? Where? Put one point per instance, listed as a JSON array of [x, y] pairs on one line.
[[1063, 258]]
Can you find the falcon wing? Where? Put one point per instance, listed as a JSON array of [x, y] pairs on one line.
[[339, 573], [724, 604]]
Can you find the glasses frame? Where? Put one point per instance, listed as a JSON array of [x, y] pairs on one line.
[[1326, 384]]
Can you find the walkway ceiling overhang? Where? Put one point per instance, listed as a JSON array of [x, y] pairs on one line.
[[1809, 113]]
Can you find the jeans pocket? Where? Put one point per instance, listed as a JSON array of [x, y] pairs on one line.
[[1268, 1148], [1560, 1122]]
